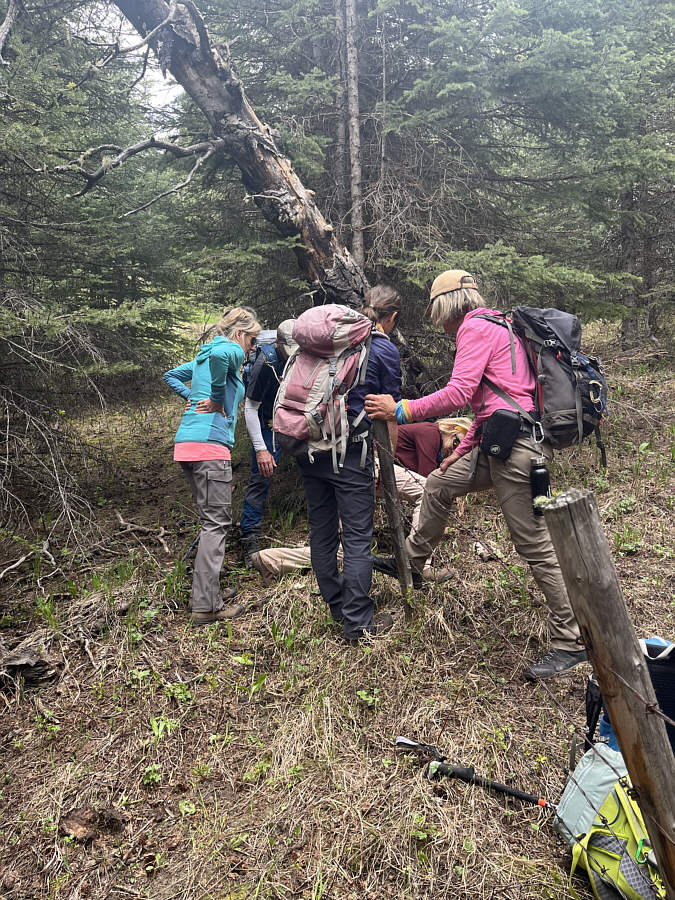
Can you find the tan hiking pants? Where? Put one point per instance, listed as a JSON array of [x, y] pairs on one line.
[[511, 481], [409, 487]]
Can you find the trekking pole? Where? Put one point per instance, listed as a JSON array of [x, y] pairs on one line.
[[384, 452], [438, 768]]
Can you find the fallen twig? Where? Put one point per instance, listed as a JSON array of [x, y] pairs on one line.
[[144, 529]]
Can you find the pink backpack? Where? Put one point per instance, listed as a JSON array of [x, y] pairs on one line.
[[310, 412]]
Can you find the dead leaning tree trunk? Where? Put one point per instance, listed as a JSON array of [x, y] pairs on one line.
[[204, 71], [593, 587]]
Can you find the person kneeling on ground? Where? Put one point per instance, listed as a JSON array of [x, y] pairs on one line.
[[422, 444], [203, 442], [484, 349]]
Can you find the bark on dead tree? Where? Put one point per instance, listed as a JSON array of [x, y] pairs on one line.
[[593, 587], [354, 124], [7, 25], [205, 72], [340, 119]]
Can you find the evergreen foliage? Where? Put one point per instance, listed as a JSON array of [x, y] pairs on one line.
[[527, 142]]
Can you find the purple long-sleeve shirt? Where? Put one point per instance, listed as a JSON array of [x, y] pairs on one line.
[[483, 348]]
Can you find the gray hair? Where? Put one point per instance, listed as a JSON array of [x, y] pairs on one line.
[[454, 305]]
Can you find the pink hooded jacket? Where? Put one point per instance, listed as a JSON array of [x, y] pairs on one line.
[[483, 348]]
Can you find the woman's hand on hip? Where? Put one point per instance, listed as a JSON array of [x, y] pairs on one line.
[[380, 406], [208, 406]]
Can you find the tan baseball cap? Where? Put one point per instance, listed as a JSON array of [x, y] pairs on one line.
[[452, 280]]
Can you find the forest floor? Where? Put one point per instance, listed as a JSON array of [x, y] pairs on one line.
[[257, 761]]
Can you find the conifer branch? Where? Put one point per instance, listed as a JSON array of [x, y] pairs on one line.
[[176, 188]]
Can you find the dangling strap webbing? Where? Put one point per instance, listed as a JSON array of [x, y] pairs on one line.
[[344, 428], [600, 444]]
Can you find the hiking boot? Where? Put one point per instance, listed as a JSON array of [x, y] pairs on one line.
[[555, 663], [255, 562], [382, 623], [249, 546], [438, 575], [387, 565], [229, 611]]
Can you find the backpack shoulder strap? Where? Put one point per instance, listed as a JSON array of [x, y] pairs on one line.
[[505, 322]]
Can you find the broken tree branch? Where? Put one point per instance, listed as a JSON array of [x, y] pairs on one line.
[[183, 48], [75, 167], [144, 529], [7, 25]]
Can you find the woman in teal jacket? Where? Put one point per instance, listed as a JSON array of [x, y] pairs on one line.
[[202, 446]]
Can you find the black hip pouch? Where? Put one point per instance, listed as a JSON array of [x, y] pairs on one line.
[[500, 432]]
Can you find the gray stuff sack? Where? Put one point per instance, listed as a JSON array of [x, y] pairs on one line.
[[586, 790]]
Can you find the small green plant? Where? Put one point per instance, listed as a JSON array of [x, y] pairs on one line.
[[421, 830], [47, 610], [162, 726], [257, 770], [237, 840], [623, 507], [152, 775], [369, 698], [156, 863], [220, 739], [257, 685], [201, 770], [178, 692], [186, 808], [175, 585], [628, 540]]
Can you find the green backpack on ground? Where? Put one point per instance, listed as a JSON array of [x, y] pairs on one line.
[[616, 851]]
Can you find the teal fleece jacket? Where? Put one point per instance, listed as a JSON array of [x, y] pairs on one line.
[[214, 373]]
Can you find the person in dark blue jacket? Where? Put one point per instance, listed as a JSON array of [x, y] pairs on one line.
[[202, 446], [261, 392], [346, 498]]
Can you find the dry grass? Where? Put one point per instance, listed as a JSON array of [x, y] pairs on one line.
[[258, 762]]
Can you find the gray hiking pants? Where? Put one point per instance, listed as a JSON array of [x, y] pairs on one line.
[[511, 481], [211, 485]]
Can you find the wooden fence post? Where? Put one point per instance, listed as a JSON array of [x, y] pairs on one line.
[[593, 588], [386, 457]]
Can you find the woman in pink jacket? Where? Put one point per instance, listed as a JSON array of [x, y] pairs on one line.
[[484, 351]]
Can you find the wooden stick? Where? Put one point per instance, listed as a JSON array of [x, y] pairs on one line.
[[386, 457], [593, 587]]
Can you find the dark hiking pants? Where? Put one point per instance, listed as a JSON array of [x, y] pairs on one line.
[[346, 497], [256, 492]]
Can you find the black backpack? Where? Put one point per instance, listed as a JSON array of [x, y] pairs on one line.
[[571, 390]]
